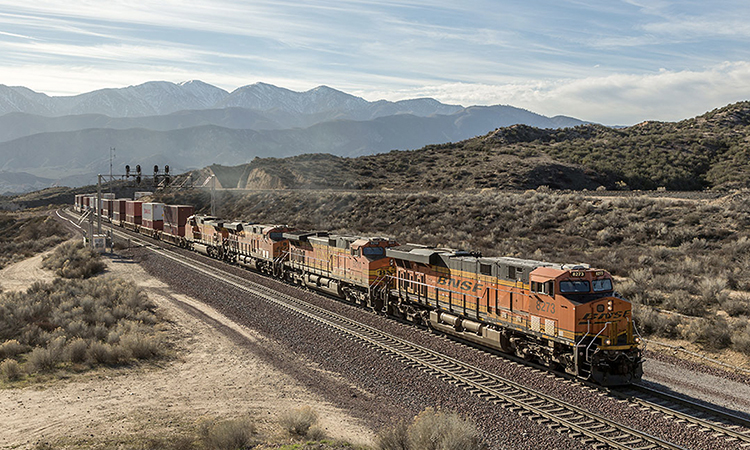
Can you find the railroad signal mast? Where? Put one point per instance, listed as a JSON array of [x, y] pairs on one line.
[[138, 175]]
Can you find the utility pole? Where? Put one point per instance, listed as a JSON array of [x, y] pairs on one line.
[[111, 158], [213, 195]]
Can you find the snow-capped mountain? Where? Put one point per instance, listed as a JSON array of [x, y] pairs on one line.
[[192, 124]]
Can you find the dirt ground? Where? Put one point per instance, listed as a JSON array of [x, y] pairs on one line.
[[212, 377]]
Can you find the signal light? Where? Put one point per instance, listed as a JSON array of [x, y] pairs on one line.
[[166, 168], [127, 170], [138, 169], [156, 168]]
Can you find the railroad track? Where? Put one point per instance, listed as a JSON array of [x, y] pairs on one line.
[[590, 428], [732, 427]]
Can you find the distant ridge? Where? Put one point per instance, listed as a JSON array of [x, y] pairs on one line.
[[192, 124]]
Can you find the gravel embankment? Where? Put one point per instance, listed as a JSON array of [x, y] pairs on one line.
[[382, 390]]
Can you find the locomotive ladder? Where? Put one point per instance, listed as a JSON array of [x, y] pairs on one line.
[[557, 414]]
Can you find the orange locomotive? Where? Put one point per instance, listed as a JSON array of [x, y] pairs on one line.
[[354, 268], [259, 247], [560, 315], [206, 235]]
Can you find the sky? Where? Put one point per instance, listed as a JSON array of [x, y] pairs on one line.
[[616, 62]]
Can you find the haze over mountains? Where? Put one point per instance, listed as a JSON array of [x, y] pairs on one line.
[[66, 140]]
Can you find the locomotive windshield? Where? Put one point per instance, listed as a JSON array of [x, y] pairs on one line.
[[276, 236], [373, 252], [602, 285], [573, 287]]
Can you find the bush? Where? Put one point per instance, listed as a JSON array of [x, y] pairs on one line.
[[76, 350], [432, 430], [11, 348], [741, 339], [229, 435], [141, 346], [74, 260], [42, 360], [10, 370], [297, 422], [711, 333], [734, 306]]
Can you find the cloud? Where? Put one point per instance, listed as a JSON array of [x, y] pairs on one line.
[[621, 99]]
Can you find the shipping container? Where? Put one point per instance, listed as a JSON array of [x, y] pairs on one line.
[[153, 211], [141, 194], [177, 215], [152, 224]]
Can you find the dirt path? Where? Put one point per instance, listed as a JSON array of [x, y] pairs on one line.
[[213, 377]]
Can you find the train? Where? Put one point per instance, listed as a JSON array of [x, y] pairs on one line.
[[567, 317]]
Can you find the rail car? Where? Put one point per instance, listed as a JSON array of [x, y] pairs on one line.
[[565, 316]]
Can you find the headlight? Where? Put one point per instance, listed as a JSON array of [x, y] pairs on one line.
[[607, 342], [637, 340]]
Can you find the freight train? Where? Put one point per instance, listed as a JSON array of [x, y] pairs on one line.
[[565, 316]]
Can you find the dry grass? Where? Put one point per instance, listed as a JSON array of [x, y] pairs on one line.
[[299, 422], [74, 260], [79, 322], [432, 430]]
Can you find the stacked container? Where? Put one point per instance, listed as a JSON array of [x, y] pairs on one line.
[[153, 216], [133, 212], [140, 194], [118, 210], [175, 218]]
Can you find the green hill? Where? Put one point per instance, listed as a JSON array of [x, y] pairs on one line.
[[707, 152]]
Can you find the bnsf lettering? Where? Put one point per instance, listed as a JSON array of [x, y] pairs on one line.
[[466, 285], [606, 316]]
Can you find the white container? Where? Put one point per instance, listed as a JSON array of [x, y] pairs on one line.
[[141, 194], [153, 211], [109, 195]]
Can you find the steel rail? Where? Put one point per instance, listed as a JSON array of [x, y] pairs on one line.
[[705, 409]]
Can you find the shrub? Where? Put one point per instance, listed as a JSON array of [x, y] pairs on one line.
[[101, 353], [650, 322], [711, 333], [711, 289], [10, 370], [684, 303], [229, 435], [141, 346], [42, 360], [741, 339], [76, 350], [734, 306], [74, 260], [432, 430], [297, 422], [11, 348], [396, 438]]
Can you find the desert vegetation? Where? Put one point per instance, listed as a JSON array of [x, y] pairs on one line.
[[73, 325], [685, 264], [706, 152], [74, 260], [432, 430], [25, 234]]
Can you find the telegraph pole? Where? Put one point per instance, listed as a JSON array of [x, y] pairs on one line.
[[111, 158]]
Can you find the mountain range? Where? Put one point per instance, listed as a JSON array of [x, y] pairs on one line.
[[66, 140]]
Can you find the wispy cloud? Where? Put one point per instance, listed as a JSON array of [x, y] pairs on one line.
[[597, 60]]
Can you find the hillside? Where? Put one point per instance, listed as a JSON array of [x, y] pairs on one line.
[[193, 124], [711, 151]]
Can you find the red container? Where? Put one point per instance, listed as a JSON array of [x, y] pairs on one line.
[[177, 215], [134, 208], [136, 220], [153, 224], [174, 230]]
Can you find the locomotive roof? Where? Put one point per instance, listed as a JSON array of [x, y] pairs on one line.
[[463, 260]]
